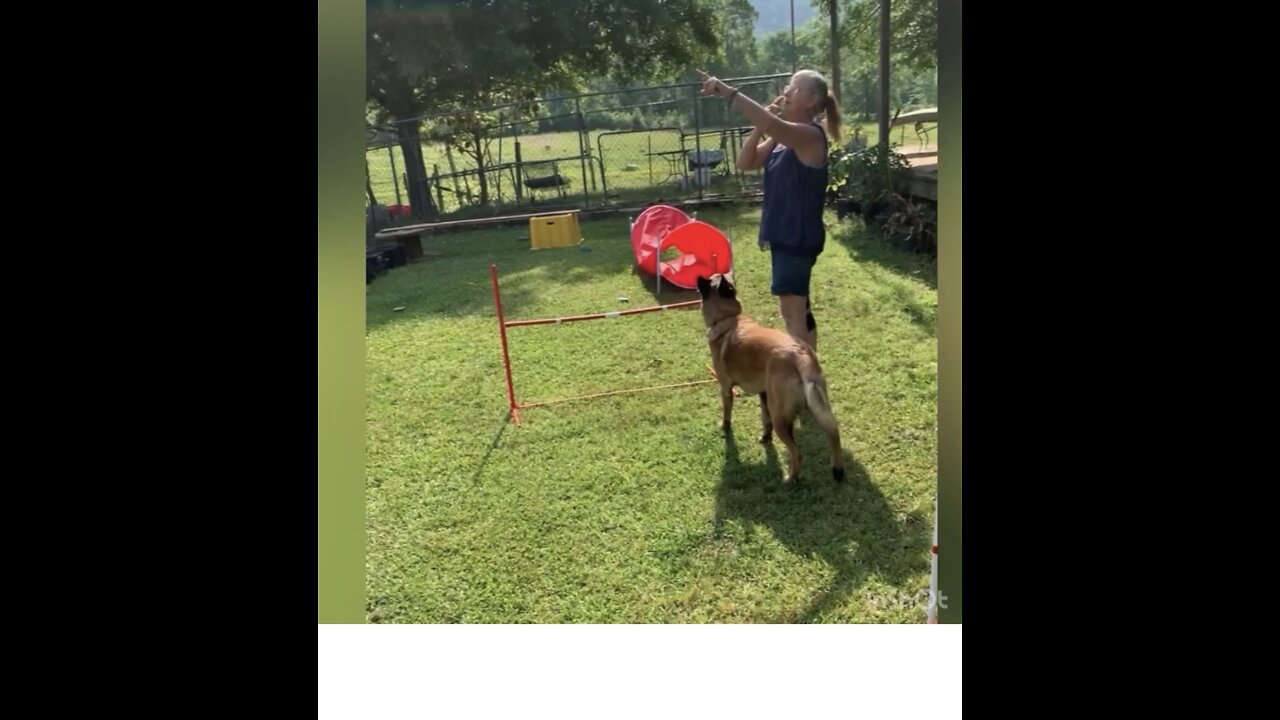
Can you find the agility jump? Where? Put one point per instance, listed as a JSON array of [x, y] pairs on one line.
[[702, 250], [514, 406]]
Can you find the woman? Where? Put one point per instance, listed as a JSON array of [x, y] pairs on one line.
[[794, 159]]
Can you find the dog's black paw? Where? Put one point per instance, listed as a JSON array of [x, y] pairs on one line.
[[766, 438], [838, 474]]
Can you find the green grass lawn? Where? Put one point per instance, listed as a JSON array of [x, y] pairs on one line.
[[633, 508]]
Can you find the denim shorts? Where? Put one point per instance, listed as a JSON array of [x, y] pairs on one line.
[[791, 274]]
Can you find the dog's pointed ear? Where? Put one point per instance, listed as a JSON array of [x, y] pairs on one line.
[[727, 290], [704, 286]]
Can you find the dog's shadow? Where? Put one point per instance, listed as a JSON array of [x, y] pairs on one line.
[[848, 524]]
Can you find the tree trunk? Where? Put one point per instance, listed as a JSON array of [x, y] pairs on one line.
[[835, 50], [884, 78], [884, 95], [368, 185], [484, 183], [415, 169]]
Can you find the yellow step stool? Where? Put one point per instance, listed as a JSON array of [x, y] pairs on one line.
[[550, 231]]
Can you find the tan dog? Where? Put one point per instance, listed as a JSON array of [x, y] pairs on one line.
[[783, 370]]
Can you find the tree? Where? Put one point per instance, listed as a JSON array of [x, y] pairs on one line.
[[831, 8], [913, 24], [739, 22], [426, 57], [775, 50]]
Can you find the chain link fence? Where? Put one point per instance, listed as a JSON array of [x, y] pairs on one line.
[[608, 149]]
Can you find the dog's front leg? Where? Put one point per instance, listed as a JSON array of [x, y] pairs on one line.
[[767, 435], [726, 395]]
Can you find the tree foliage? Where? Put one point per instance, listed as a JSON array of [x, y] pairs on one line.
[[428, 56], [913, 26]]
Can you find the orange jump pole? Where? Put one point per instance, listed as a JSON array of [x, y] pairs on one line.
[[506, 357]]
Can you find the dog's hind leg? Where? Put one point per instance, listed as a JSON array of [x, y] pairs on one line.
[[828, 424], [767, 435], [783, 419]]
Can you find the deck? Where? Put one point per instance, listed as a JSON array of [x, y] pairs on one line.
[[922, 179]]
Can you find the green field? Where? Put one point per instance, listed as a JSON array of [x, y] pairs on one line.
[[634, 508]]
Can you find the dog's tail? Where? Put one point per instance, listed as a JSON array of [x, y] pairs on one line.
[[815, 394], [815, 391]]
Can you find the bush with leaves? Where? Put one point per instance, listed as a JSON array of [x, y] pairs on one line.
[[859, 182], [912, 224]]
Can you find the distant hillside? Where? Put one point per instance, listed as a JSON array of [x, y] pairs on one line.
[[776, 14]]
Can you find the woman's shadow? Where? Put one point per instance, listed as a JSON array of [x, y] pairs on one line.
[[848, 524]]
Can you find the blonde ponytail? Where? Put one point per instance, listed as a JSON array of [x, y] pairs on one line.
[[832, 110]]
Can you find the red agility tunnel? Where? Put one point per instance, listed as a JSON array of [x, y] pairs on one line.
[[703, 249]]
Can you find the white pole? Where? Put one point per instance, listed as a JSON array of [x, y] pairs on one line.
[[933, 569], [794, 59]]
